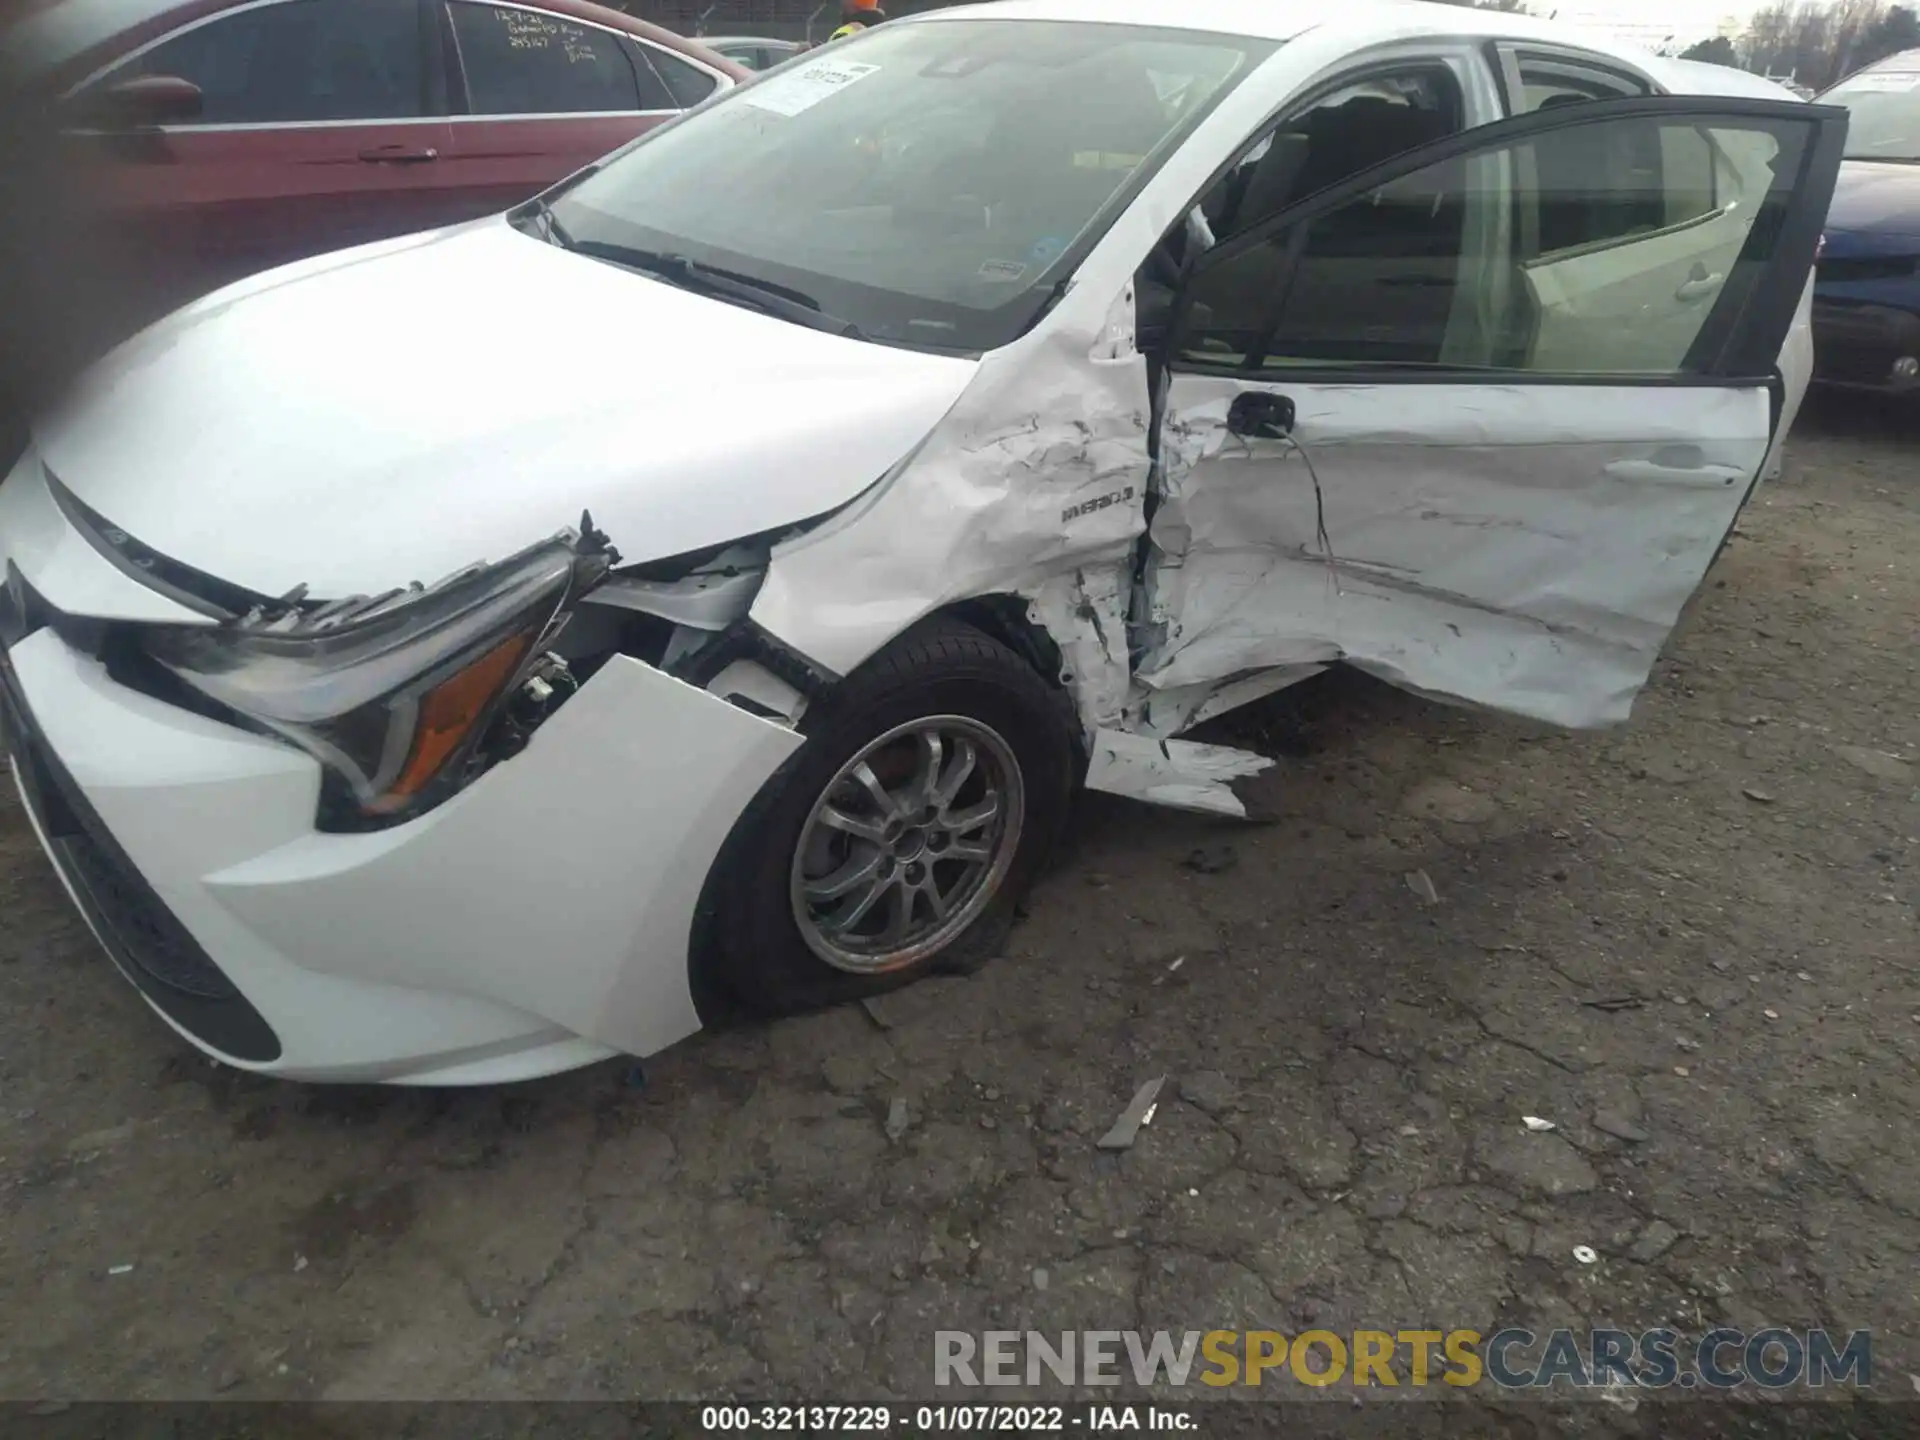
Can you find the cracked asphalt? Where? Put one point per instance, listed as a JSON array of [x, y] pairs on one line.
[[1689, 943]]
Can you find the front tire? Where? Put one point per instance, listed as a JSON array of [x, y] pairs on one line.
[[897, 841]]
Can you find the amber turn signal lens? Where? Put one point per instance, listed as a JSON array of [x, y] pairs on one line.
[[448, 712]]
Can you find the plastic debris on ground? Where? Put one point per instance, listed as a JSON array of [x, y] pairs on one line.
[[1212, 859], [1139, 1110]]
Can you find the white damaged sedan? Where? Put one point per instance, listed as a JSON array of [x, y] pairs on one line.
[[701, 589]]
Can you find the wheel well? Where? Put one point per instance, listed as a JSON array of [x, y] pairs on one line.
[[1005, 618], [1002, 617]]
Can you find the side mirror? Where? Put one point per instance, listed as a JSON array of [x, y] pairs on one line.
[[142, 103]]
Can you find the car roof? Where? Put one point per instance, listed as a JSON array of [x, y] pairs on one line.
[[58, 31], [1289, 19], [1904, 61], [1699, 77]]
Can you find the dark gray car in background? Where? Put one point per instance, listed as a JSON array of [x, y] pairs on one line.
[[755, 52]]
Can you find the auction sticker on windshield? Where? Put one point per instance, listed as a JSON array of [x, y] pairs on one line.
[[806, 87]]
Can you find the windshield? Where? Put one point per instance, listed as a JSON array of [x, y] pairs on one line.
[[1884, 114], [928, 183]]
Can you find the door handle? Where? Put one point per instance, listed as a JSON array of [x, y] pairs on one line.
[[1257, 415], [1698, 286], [399, 154]]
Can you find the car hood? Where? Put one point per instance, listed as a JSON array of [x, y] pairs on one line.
[[1876, 197], [392, 413]]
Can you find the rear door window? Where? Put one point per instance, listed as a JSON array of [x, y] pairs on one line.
[[1547, 79], [1632, 182], [526, 62], [682, 83]]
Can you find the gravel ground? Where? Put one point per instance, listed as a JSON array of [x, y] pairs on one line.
[[1690, 943]]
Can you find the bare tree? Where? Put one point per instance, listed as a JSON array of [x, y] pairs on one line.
[[1787, 37], [1716, 51], [1895, 31]]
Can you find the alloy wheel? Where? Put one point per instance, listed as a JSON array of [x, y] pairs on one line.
[[907, 845]]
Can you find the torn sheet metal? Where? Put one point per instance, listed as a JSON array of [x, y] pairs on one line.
[[1524, 548], [1085, 612], [1033, 485], [1182, 774], [705, 600], [1173, 711]]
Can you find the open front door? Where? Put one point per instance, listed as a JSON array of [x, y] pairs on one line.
[[1478, 419]]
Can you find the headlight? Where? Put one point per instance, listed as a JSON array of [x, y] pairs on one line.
[[391, 695]]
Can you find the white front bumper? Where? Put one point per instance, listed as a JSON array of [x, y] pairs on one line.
[[537, 921]]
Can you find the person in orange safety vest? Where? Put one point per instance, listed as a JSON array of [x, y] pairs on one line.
[[857, 15]]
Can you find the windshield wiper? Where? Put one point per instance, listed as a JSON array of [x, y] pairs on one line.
[[551, 230], [688, 274]]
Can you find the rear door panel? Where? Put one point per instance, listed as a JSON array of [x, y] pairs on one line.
[[246, 198]]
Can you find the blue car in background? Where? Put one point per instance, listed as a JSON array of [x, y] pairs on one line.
[[1866, 299]]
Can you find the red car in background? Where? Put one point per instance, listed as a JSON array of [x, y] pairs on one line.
[[215, 138]]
